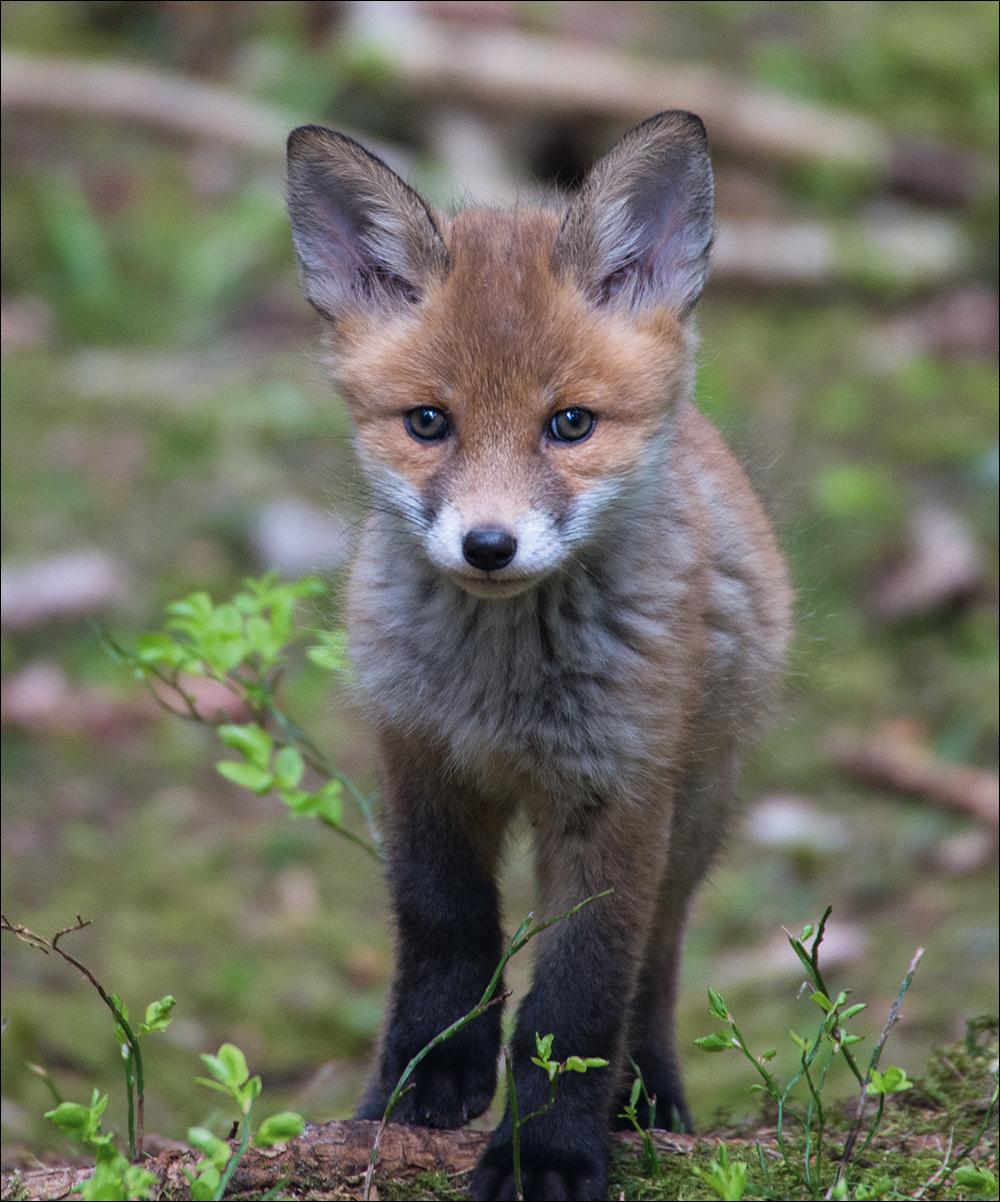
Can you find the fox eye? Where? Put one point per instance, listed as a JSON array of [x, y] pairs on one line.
[[571, 425], [426, 423]]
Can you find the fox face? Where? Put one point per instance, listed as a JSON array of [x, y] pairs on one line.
[[510, 375]]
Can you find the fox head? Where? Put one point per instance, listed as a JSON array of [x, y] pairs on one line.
[[511, 375]]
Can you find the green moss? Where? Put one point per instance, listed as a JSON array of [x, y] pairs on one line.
[[424, 1186]]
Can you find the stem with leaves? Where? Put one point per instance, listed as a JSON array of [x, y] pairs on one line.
[[554, 1069], [521, 937], [630, 1113], [241, 645], [866, 1084], [133, 1054]]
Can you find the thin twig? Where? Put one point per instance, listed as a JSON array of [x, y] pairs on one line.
[[403, 1084], [136, 1110], [859, 1115], [521, 937]]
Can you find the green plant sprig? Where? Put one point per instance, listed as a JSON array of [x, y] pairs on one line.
[[230, 1075], [157, 1018], [816, 1056], [630, 1113], [114, 1176], [241, 645], [554, 1069]]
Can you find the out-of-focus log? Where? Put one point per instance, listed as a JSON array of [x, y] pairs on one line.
[[893, 758], [170, 104], [903, 250], [519, 70], [72, 585], [907, 251]]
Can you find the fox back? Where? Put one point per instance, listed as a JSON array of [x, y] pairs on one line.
[[567, 598]]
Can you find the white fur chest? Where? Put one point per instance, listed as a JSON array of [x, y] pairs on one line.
[[544, 683]]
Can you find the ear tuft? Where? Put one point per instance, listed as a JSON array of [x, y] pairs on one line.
[[639, 232], [364, 238]]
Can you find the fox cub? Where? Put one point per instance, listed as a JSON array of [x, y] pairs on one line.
[[567, 602]]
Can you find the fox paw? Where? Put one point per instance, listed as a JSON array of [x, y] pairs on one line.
[[547, 1174], [445, 1091]]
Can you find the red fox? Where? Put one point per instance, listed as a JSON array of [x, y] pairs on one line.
[[567, 602]]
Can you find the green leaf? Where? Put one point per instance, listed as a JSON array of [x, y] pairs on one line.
[[633, 1097], [718, 1041], [209, 1144], [228, 1066], [822, 1001], [279, 1129], [977, 1179], [288, 768], [893, 1080], [717, 1006], [204, 1187], [227, 619], [81, 1123], [224, 652], [250, 740], [330, 651], [852, 1010], [213, 1085], [247, 776], [159, 650], [728, 1181], [543, 1046], [139, 1182], [158, 1015], [248, 1094], [262, 639], [73, 1119], [195, 608]]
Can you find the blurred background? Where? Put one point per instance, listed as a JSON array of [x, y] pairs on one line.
[[167, 427]]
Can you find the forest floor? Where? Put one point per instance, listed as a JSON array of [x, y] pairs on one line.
[[936, 1140]]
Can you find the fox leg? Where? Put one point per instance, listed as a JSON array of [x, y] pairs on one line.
[[704, 802], [442, 842], [585, 972]]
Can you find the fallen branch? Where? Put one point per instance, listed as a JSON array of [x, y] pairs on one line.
[[520, 71], [327, 1160], [894, 759], [60, 587], [909, 252], [171, 104]]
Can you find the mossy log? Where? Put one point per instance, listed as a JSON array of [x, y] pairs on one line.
[[327, 1161]]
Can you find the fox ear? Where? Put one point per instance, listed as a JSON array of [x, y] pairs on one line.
[[639, 231], [364, 239]]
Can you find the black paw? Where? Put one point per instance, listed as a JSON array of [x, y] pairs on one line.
[[548, 1173], [447, 1089], [662, 1079]]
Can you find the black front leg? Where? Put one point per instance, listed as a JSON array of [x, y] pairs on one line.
[[442, 844], [584, 979]]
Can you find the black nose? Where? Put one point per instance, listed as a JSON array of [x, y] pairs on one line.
[[489, 548]]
